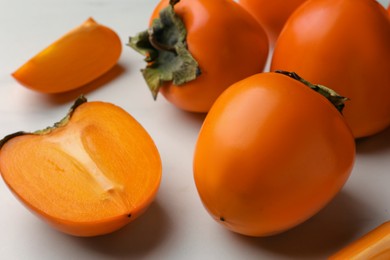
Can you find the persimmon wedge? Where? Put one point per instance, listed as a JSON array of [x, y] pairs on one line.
[[77, 58], [373, 245], [91, 174]]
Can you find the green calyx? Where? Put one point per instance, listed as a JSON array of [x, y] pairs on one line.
[[80, 100], [165, 49], [333, 97]]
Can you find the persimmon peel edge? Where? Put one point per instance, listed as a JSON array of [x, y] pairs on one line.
[[80, 100], [89, 174]]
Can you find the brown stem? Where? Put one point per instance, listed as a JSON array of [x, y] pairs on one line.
[[173, 2], [337, 100], [157, 45]]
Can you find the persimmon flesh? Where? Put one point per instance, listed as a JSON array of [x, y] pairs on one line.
[[77, 58], [92, 174]]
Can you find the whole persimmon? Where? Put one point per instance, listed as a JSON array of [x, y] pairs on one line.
[[91, 174], [271, 14], [344, 45], [195, 49], [271, 153]]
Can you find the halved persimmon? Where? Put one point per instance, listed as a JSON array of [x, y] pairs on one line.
[[77, 58], [92, 173]]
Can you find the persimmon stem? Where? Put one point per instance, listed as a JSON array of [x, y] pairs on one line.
[[165, 49], [158, 45], [173, 2], [337, 100]]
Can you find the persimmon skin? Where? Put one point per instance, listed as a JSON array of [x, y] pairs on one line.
[[226, 41], [77, 58], [373, 245], [270, 154], [324, 43], [89, 177], [272, 15]]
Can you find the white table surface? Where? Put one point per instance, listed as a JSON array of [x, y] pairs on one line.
[[176, 226]]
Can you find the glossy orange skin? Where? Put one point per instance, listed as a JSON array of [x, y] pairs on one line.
[[77, 58], [272, 15], [270, 154], [325, 43], [373, 245], [228, 44]]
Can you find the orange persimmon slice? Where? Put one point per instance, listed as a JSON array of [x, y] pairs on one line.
[[373, 245], [91, 174], [77, 58]]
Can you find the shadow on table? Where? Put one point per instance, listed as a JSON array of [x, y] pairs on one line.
[[328, 231], [136, 239], [374, 144], [193, 118]]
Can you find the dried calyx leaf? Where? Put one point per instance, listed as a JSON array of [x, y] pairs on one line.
[[80, 100], [337, 100], [165, 49]]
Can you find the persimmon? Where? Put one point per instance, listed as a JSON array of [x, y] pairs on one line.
[[195, 49], [373, 245], [77, 58], [91, 174], [271, 153], [324, 42], [272, 15]]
